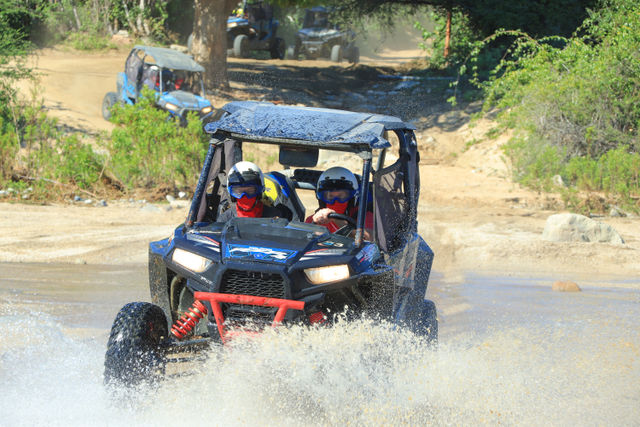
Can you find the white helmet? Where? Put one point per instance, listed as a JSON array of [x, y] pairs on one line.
[[337, 178], [244, 173]]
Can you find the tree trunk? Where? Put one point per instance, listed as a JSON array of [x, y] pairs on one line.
[[75, 15], [447, 37], [209, 46], [132, 27], [139, 19]]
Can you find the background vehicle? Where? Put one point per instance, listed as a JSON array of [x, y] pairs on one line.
[[254, 29], [210, 276], [175, 76], [319, 39]]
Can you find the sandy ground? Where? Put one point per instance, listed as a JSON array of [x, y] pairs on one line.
[[470, 212], [511, 351]]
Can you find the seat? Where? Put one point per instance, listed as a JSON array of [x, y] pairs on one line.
[[280, 189]]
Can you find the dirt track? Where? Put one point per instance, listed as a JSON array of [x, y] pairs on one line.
[[470, 211], [511, 351]]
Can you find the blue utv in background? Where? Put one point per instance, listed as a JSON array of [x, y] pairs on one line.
[[254, 29], [211, 281], [318, 38], [175, 77]]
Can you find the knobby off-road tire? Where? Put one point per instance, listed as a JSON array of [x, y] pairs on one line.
[[336, 53], [133, 353], [354, 54], [110, 99], [241, 46], [293, 52], [279, 49]]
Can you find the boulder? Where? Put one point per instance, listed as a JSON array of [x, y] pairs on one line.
[[568, 227], [179, 48], [568, 286], [122, 37], [617, 212]]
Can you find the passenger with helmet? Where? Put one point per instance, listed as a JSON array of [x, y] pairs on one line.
[[150, 77], [337, 191], [245, 184], [168, 80]]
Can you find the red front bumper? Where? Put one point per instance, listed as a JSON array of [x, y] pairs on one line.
[[216, 299]]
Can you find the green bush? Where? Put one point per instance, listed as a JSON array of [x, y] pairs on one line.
[[535, 164], [89, 41], [149, 149], [574, 103], [36, 153]]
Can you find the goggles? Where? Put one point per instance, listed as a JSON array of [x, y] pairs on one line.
[[248, 190], [333, 196]]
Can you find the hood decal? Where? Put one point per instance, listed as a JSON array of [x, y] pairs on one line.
[[321, 252], [258, 253], [208, 241]]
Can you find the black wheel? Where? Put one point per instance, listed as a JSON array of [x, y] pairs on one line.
[[336, 53], [241, 46], [354, 55], [278, 49], [110, 99], [133, 353], [293, 52]]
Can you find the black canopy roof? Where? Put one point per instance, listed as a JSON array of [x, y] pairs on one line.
[[318, 127]]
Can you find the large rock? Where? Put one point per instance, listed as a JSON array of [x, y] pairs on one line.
[[568, 227], [567, 286]]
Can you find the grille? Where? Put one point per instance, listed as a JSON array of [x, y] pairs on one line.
[[240, 282]]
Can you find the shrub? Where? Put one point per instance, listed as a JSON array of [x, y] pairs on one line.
[[36, 153], [89, 41], [574, 103], [148, 148]]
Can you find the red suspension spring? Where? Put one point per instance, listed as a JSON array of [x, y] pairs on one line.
[[188, 321]]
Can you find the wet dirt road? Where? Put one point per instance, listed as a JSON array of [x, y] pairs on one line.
[[511, 352]]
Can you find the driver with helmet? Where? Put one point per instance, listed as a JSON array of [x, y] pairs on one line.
[[245, 184], [337, 192]]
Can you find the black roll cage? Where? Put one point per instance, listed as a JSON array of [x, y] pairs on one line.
[[408, 150]]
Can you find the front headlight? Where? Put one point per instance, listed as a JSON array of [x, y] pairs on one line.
[[171, 107], [190, 261], [206, 110], [331, 273]]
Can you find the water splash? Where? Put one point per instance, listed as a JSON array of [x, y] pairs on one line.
[[363, 372]]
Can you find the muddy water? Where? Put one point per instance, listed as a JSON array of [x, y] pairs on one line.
[[511, 352]]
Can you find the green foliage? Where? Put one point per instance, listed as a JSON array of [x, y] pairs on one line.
[[13, 49], [48, 22], [89, 41], [461, 43], [149, 149], [37, 154], [535, 164], [574, 102], [616, 172]]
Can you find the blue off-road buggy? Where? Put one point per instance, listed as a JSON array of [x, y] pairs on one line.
[[254, 29], [320, 39], [211, 280], [174, 76]]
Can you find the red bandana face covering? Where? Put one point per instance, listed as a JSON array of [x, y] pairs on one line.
[[339, 207], [249, 207]]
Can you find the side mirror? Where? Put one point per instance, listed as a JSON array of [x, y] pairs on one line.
[[298, 157]]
